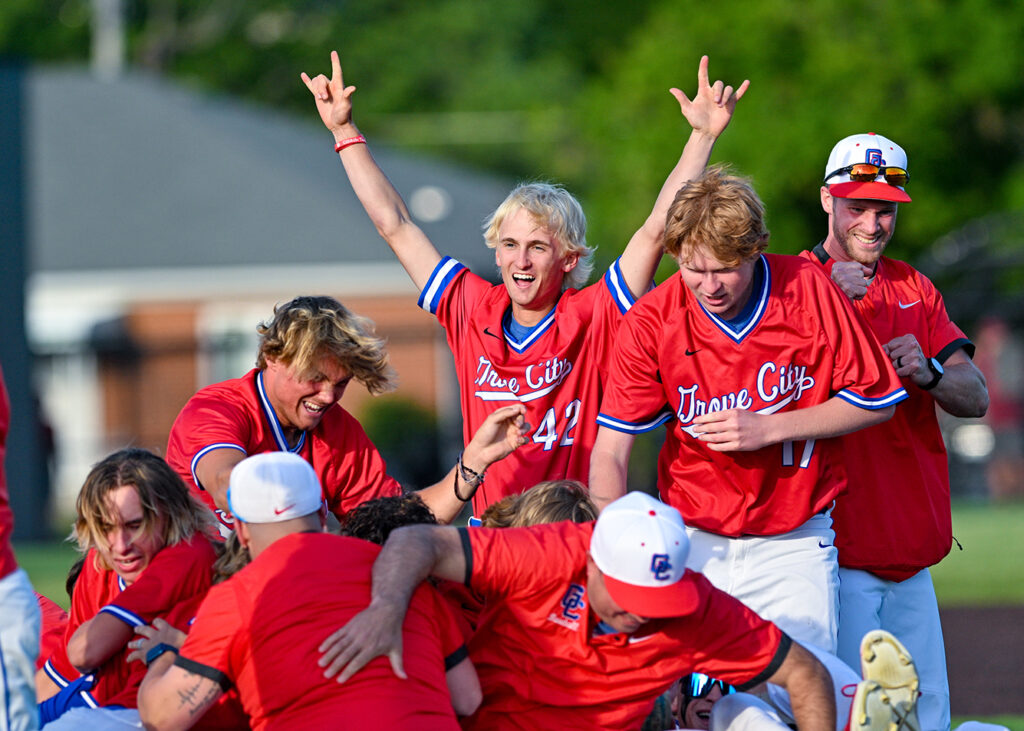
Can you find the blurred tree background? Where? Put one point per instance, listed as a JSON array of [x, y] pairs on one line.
[[576, 91]]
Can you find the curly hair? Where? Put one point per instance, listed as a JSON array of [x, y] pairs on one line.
[[546, 502], [719, 213], [555, 209], [167, 506], [310, 327], [375, 519]]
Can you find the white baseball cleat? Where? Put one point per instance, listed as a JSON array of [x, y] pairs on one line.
[[887, 697]]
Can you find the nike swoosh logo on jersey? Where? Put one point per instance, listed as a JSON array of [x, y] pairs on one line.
[[692, 352], [903, 306], [487, 331]]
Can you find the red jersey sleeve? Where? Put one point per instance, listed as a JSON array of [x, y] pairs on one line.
[[496, 557], [51, 634], [176, 573], [944, 337], [635, 390], [212, 419], [211, 640]]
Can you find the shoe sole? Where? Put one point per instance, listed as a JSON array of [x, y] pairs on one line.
[[874, 710], [886, 662]]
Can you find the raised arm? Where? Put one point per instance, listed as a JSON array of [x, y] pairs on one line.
[[382, 202], [502, 432], [708, 114]]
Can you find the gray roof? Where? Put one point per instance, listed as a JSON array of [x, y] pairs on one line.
[[141, 173]]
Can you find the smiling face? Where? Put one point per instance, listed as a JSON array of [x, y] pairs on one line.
[[723, 290], [698, 711], [532, 266], [859, 229], [301, 399], [126, 546], [602, 604]]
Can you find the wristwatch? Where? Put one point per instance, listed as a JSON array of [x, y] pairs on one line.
[[937, 372], [159, 649]]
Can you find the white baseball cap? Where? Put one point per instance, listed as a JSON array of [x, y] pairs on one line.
[[273, 487], [640, 545], [872, 149]]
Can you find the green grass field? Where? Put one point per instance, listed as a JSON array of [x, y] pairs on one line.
[[990, 568], [988, 571]]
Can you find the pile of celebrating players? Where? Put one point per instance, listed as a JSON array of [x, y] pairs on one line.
[[777, 577]]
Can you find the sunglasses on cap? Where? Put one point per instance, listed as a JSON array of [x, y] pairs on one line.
[[865, 172], [700, 685]]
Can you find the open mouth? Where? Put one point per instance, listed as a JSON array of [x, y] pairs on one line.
[[313, 408], [523, 279]]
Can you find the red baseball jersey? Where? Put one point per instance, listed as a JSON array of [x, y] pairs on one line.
[[52, 628], [900, 464], [237, 414], [556, 371], [8, 564], [171, 586], [540, 662], [260, 632], [802, 345]]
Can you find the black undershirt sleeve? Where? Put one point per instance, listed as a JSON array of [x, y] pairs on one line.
[[204, 670]]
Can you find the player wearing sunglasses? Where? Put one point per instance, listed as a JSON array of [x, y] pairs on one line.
[[894, 520], [692, 699]]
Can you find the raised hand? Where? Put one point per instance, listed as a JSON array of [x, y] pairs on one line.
[[852, 277], [712, 106], [502, 433], [333, 98]]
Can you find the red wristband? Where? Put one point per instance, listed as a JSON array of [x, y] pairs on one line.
[[348, 142]]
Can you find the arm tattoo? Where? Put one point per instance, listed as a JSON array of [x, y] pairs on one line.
[[190, 697]]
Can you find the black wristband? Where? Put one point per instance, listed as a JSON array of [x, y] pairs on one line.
[[157, 650]]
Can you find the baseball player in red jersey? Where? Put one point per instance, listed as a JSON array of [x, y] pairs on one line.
[[309, 352], [536, 339], [19, 611], [584, 624], [894, 520], [259, 630], [756, 361], [149, 553]]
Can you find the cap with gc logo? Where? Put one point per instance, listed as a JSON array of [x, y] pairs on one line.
[[867, 166], [641, 547]]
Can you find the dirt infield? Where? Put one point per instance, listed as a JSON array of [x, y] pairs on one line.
[[985, 657]]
